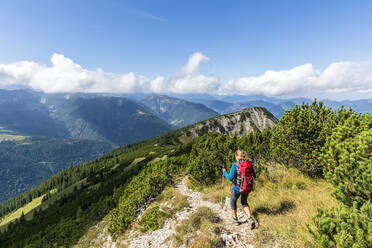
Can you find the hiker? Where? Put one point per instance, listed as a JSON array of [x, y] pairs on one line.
[[242, 176]]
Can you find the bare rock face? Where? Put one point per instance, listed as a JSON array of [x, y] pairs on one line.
[[238, 123]]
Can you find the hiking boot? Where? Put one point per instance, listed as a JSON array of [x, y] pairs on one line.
[[235, 221], [251, 223]]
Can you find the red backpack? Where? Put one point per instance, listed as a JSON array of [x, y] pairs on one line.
[[245, 179]]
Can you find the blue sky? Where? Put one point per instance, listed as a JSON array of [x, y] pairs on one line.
[[241, 39]]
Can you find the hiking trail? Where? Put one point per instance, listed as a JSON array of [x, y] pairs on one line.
[[233, 236]]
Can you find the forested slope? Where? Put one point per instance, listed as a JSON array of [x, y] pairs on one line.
[[113, 119], [80, 116], [28, 162]]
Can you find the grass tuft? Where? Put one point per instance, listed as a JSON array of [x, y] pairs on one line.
[[166, 205], [201, 229], [153, 219]]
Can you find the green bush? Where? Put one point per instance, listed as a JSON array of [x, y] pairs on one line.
[[347, 158], [213, 151], [153, 219], [209, 154], [301, 133], [344, 226], [300, 185], [147, 184], [257, 145]]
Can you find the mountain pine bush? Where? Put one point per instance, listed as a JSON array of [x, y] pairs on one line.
[[301, 133], [348, 161], [147, 184], [153, 219], [257, 145], [209, 155], [348, 166], [344, 226]]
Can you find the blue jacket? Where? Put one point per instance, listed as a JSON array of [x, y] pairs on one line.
[[232, 176]]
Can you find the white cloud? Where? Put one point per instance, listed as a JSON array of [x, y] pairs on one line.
[[64, 75], [193, 64], [18, 73], [305, 80], [274, 82], [187, 79]]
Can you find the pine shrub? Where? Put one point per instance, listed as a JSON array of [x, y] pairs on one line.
[[344, 226], [147, 184], [298, 138], [348, 166], [348, 161], [152, 219], [257, 145], [209, 155]]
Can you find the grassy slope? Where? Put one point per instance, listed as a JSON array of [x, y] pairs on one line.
[[117, 161], [4, 137], [9, 135], [283, 201], [25, 209], [37, 204]]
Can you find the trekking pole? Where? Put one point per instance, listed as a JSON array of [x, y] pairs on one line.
[[223, 189]]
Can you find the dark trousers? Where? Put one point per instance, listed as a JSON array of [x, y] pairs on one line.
[[234, 198]]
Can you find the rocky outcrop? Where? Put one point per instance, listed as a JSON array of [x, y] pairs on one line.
[[238, 123]]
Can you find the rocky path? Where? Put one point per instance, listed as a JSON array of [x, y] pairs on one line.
[[234, 236]]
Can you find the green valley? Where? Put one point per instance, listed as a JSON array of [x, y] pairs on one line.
[[25, 162]]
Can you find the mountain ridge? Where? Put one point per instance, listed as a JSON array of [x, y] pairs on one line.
[[87, 116], [238, 123], [178, 112]]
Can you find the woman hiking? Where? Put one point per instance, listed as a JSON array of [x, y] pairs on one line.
[[242, 176]]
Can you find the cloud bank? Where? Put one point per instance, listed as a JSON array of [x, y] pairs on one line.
[[64, 75], [337, 78]]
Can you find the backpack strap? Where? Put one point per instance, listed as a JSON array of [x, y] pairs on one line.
[[236, 176]]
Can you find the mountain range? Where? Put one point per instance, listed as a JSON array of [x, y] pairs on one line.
[[93, 124], [178, 112], [81, 116], [41, 134], [277, 106]]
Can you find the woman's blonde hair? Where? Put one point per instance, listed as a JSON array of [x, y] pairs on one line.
[[241, 155]]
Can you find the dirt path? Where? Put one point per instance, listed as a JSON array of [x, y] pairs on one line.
[[234, 236]]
